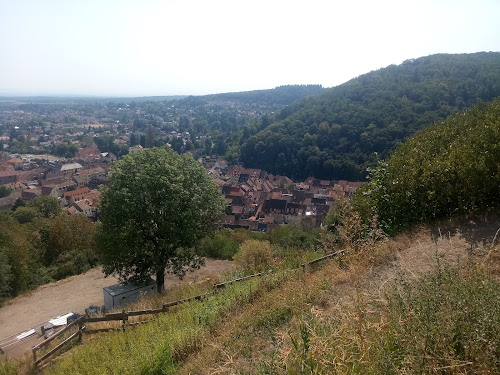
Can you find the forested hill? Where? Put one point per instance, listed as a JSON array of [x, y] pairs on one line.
[[335, 134], [279, 95]]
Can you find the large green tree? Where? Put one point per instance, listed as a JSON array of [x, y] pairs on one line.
[[154, 210]]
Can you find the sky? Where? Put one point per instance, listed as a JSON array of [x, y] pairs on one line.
[[196, 47]]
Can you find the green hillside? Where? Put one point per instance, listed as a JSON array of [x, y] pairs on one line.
[[335, 134], [449, 168]]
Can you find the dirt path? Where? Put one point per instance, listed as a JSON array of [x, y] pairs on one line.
[[76, 293]]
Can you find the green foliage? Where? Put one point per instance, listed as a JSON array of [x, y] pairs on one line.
[[4, 191], [160, 346], [18, 203], [156, 207], [446, 319], [46, 206], [105, 144], [445, 323], [255, 256], [26, 214], [17, 263], [67, 246], [36, 250], [334, 135], [294, 236], [8, 367], [452, 167], [64, 149], [220, 245]]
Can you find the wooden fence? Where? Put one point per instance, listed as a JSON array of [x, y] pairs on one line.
[[124, 315]]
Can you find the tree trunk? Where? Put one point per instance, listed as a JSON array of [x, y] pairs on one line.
[[160, 280]]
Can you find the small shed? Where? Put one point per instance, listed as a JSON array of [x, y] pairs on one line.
[[122, 294]]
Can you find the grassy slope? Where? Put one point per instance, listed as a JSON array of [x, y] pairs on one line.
[[324, 321], [315, 322]]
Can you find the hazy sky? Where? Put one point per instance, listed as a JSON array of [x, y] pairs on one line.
[[154, 47]]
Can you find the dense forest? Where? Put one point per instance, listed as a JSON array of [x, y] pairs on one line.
[[448, 168], [335, 135]]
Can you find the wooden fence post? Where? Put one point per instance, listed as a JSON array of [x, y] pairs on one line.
[[125, 320], [80, 330]]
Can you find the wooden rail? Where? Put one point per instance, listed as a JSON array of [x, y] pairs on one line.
[[78, 322], [328, 256], [124, 315]]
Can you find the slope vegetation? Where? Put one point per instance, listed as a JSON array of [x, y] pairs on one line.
[[378, 311], [449, 168], [395, 309], [334, 134]]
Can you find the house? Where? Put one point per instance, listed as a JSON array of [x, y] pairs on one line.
[[70, 169], [59, 189], [47, 190], [6, 167], [277, 205], [53, 174], [80, 181], [31, 193], [92, 171], [76, 195], [8, 177], [88, 153], [108, 157], [220, 164], [16, 163], [84, 207], [96, 181]]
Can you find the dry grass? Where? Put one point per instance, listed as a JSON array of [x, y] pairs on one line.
[[340, 294]]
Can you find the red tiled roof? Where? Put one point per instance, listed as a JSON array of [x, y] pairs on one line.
[[76, 192]]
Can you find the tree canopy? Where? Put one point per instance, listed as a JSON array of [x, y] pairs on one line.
[[334, 135], [46, 206], [154, 210]]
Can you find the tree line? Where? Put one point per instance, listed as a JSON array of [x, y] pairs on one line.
[[39, 244]]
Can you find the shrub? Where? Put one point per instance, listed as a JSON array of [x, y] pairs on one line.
[[294, 236], [344, 226], [224, 244], [255, 256], [220, 245], [26, 214]]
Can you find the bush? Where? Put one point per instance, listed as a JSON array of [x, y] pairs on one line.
[[445, 320], [445, 323], [26, 214], [224, 244], [220, 245], [294, 236], [255, 256], [345, 226]]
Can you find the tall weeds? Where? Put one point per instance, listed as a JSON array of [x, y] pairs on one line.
[[445, 323]]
